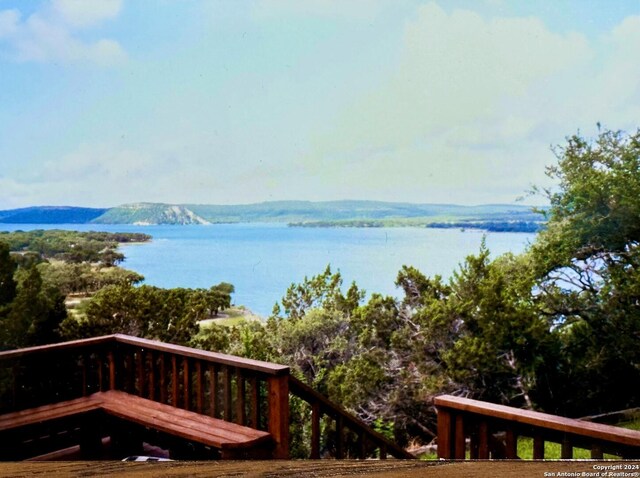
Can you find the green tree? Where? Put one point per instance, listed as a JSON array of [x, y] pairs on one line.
[[35, 313], [169, 315], [588, 262], [7, 283], [501, 339], [320, 291]]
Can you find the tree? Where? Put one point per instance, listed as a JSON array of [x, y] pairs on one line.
[[169, 315], [35, 313], [588, 263], [321, 291], [7, 284], [595, 211], [501, 340]]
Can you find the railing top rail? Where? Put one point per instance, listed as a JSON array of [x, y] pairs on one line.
[[9, 354], [542, 420], [214, 357], [305, 392]]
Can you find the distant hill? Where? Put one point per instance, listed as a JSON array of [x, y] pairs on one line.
[[306, 211], [51, 215], [295, 213], [150, 213]]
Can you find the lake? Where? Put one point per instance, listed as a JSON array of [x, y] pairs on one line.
[[262, 260]]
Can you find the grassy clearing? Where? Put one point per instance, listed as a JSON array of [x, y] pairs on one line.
[[234, 315]]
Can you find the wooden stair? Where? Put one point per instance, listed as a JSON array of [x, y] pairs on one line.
[[229, 438], [232, 440]]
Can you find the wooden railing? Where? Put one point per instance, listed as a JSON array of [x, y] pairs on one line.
[[481, 430], [349, 436], [242, 391], [247, 392], [47, 374]]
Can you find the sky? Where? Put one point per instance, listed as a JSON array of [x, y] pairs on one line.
[[106, 102]]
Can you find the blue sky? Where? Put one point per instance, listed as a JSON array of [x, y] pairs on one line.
[[105, 102]]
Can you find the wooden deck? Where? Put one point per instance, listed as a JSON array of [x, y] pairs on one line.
[[318, 469], [81, 392], [238, 406]]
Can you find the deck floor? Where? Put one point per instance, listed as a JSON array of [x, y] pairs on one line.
[[311, 468]]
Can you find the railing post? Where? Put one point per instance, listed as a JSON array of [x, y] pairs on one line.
[[474, 442], [484, 450], [163, 379], [596, 451], [459, 440], [140, 369], [511, 444], [199, 387], [130, 378], [315, 431], [538, 446], [241, 418], [99, 364], [445, 435], [339, 438], [255, 402], [566, 451], [362, 445], [83, 367], [151, 374], [186, 384], [279, 414], [174, 381], [112, 370], [226, 392], [213, 390], [383, 451]]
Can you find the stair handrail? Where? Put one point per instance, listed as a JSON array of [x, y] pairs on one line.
[[322, 405]]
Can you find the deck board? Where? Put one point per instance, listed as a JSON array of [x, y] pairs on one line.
[[45, 413], [164, 418], [183, 423], [309, 468]]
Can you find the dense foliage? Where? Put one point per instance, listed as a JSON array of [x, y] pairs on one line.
[[70, 246], [30, 310], [85, 279], [169, 315], [588, 265]]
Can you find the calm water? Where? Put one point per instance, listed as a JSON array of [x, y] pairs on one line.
[[262, 260]]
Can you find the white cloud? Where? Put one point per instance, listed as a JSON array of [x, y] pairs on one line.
[[14, 193], [365, 10], [49, 34], [84, 13], [458, 68], [109, 175], [475, 105], [9, 22]]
